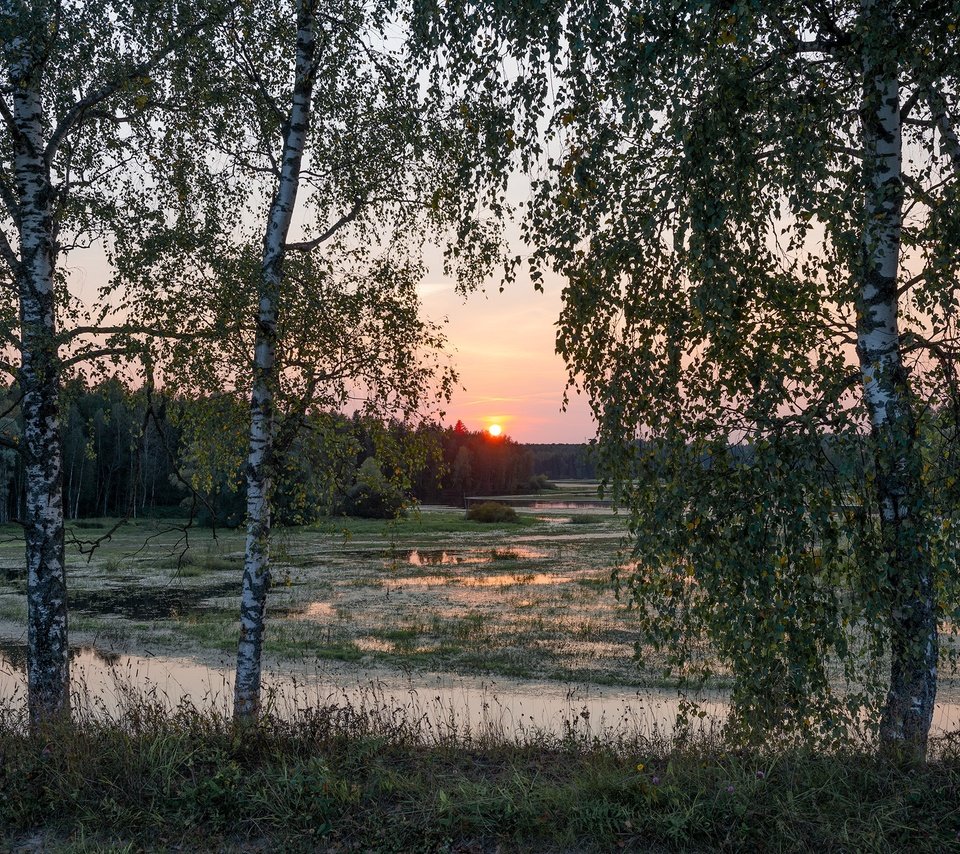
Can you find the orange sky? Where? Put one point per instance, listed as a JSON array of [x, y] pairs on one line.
[[503, 347]]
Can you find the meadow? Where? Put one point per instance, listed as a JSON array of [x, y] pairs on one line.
[[432, 592], [434, 684]]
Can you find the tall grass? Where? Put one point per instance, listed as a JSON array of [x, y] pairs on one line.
[[366, 776]]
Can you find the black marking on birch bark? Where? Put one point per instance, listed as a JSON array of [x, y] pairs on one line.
[[260, 462], [912, 615]]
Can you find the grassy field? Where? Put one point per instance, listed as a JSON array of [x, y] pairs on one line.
[[432, 592], [530, 602], [333, 779]]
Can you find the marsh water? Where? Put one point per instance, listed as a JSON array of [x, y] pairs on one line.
[[103, 682], [512, 630], [595, 505], [439, 705]]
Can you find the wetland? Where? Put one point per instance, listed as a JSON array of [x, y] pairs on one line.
[[502, 627]]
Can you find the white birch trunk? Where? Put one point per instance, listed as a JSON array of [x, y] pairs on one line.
[[913, 623], [256, 565], [48, 658]]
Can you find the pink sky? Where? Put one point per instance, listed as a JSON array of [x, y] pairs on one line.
[[502, 345], [504, 349]]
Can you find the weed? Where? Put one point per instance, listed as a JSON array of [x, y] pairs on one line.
[[189, 569], [588, 630], [472, 627], [358, 776], [216, 563], [597, 582]]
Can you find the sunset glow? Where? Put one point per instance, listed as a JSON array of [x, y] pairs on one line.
[[494, 430], [504, 349]]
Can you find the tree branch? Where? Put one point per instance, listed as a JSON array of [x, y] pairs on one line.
[[253, 76], [8, 120], [909, 104], [9, 201], [948, 135], [9, 443], [153, 331], [76, 113], [7, 253], [101, 353], [347, 218]]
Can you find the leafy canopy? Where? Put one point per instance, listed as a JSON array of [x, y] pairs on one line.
[[697, 179]]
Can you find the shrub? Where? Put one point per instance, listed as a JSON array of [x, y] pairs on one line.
[[540, 482], [585, 519], [374, 496], [491, 511]]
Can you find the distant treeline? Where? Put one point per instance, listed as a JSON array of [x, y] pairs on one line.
[[116, 460], [475, 463], [130, 453], [563, 461]]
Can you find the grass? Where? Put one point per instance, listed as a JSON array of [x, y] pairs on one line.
[[356, 778], [491, 512], [360, 572], [211, 631], [365, 777], [452, 522], [195, 565]]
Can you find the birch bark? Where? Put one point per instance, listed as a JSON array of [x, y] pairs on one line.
[[913, 623], [259, 468], [48, 659]]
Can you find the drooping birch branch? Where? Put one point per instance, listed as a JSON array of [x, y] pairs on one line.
[[135, 329], [7, 253], [346, 219]]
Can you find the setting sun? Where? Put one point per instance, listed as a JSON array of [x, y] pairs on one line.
[[494, 429]]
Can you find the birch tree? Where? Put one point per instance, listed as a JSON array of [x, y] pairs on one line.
[[343, 176], [81, 81], [754, 209]]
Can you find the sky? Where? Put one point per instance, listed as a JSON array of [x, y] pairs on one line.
[[503, 346]]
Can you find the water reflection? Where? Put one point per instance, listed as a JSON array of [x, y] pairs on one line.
[[315, 611], [107, 683], [13, 654], [436, 557], [443, 557], [586, 506], [503, 580], [104, 681]]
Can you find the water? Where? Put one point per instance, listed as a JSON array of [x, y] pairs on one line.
[[595, 505], [448, 557], [509, 579], [148, 601], [440, 704]]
